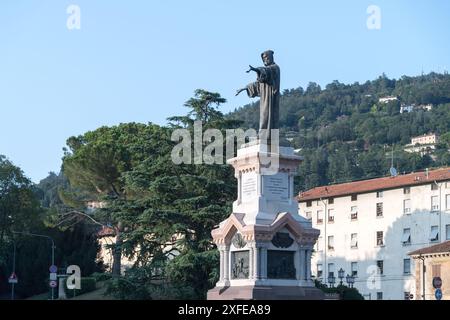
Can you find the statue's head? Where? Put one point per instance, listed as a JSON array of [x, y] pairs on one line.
[[267, 57]]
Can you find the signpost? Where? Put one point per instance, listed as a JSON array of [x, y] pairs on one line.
[[53, 276], [13, 280], [438, 294], [437, 284]]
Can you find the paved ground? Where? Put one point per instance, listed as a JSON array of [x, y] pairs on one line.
[[94, 295]]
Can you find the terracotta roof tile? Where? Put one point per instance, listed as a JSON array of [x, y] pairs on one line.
[[106, 232], [443, 247], [371, 185]]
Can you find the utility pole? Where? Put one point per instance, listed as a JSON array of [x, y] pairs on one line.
[[423, 276]]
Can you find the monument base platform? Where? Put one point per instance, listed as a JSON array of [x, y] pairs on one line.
[[265, 293]]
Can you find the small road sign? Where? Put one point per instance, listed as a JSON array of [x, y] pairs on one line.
[[53, 276], [13, 278], [53, 269], [437, 282], [438, 294], [53, 284]]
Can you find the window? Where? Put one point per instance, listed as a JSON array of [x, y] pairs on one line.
[[380, 266], [319, 271], [319, 216], [407, 190], [354, 197], [447, 232], [355, 269], [330, 200], [309, 203], [406, 238], [434, 234], [330, 215], [354, 241], [379, 209], [330, 242], [379, 194], [379, 295], [434, 203], [354, 213], [434, 186], [380, 240], [436, 270], [407, 266], [407, 206], [330, 270], [447, 201], [308, 215]]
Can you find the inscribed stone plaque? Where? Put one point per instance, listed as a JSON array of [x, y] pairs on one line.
[[280, 264], [240, 266], [276, 187], [248, 186]]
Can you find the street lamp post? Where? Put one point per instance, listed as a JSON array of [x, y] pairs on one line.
[[13, 269], [350, 279], [331, 280], [53, 249], [341, 274]]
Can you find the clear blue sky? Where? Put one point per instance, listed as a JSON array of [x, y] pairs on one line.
[[141, 60]]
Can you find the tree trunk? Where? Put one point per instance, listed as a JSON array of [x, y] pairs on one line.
[[117, 253]]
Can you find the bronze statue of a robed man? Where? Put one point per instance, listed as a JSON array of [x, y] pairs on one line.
[[267, 88]]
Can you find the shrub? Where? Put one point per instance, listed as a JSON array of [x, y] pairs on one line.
[[87, 285]]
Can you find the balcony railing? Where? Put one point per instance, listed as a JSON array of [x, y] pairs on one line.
[[354, 216]]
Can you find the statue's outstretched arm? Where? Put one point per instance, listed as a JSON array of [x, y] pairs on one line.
[[254, 69]]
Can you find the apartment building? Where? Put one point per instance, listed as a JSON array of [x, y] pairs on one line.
[[368, 228]]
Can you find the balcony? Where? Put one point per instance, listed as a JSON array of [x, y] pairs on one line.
[[331, 219], [354, 216], [319, 221]]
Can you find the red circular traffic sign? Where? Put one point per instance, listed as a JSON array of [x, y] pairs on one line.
[[437, 282]]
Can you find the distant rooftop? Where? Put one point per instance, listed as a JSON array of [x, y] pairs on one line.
[[371, 185], [443, 247]]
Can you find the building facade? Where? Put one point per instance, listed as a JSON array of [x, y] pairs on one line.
[[369, 227], [436, 260], [425, 139]]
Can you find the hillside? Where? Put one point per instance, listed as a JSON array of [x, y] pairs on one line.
[[348, 132]]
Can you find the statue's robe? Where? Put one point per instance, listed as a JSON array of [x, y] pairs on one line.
[[267, 88]]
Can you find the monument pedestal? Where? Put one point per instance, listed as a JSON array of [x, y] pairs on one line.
[[265, 245]]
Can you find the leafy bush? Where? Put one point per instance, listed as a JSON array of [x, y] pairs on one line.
[[345, 292], [88, 284], [101, 276]]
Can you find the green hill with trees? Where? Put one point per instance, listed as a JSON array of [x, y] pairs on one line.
[[345, 133]]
